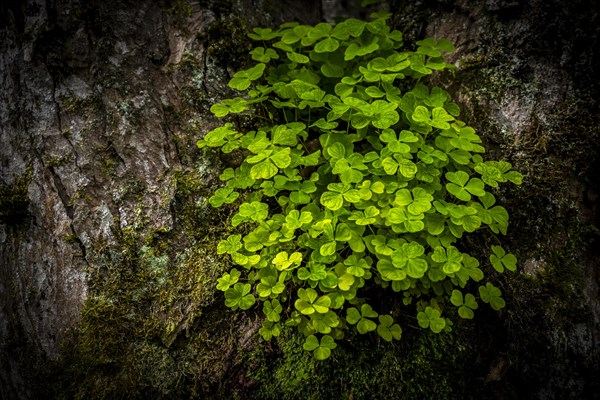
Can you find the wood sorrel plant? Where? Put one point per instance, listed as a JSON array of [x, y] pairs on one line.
[[362, 176]]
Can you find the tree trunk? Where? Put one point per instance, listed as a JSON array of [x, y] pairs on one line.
[[107, 242]]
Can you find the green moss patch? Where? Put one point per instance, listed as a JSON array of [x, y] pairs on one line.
[[14, 198]]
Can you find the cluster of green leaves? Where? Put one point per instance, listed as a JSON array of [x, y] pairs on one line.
[[362, 176]]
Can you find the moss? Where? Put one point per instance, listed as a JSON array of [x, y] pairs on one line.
[[422, 365], [227, 42], [14, 198], [179, 8], [139, 315], [189, 183], [109, 165], [76, 105], [80, 194], [71, 238], [179, 11], [150, 327], [57, 161]]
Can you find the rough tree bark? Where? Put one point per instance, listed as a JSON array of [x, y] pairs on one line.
[[107, 265]]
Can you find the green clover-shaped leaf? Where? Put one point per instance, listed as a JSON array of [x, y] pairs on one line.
[[315, 272], [465, 305], [360, 48], [264, 55], [361, 318], [243, 79], [469, 270], [349, 27], [263, 170], [272, 310], [327, 45], [295, 219], [408, 257], [431, 318], [389, 271], [450, 257], [269, 330], [228, 279], [238, 296], [255, 211], [227, 106], [492, 295], [366, 217], [283, 261], [387, 329], [462, 187], [263, 34], [322, 349], [223, 196], [384, 113], [297, 57], [356, 266], [381, 246], [501, 260], [270, 285], [230, 245], [323, 323], [309, 302], [417, 202]]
